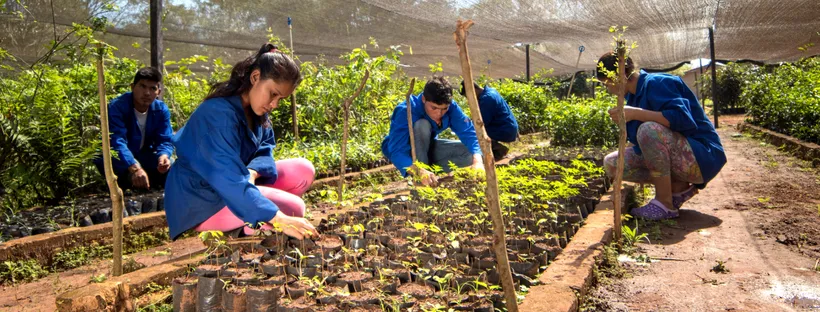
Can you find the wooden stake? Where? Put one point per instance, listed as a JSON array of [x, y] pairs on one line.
[[621, 52], [294, 115], [346, 107], [493, 205], [110, 178], [410, 120]]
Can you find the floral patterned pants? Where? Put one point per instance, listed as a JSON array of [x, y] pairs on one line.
[[663, 153]]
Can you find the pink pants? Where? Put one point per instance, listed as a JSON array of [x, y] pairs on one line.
[[295, 177]]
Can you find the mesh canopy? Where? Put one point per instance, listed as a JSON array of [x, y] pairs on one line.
[[667, 31]]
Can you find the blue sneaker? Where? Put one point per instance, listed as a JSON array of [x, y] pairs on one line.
[[654, 210]]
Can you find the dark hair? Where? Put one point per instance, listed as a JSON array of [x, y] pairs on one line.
[[610, 61], [438, 90], [271, 63], [464, 92], [148, 73]]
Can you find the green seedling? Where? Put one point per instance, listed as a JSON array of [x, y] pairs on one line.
[[99, 278], [720, 267]]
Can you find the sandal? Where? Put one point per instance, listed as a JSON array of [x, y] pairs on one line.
[[679, 198], [654, 210]]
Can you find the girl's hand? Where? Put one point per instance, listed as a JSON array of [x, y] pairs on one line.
[[295, 227], [630, 113]]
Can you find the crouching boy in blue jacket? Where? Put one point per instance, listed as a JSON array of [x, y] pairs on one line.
[[140, 127], [433, 111]]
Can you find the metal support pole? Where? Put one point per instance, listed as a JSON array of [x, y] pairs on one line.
[[715, 104], [698, 84], [156, 34], [528, 63]]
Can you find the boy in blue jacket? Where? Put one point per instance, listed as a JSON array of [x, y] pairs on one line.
[[141, 132], [433, 111], [498, 118]]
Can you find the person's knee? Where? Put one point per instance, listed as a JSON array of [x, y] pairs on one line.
[[422, 126], [649, 131], [610, 164], [305, 169]]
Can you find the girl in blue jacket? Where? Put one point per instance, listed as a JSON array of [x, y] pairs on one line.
[[225, 176], [676, 147]]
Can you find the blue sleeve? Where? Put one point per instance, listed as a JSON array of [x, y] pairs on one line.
[[165, 133], [665, 97], [119, 134], [262, 161], [463, 128], [218, 162], [398, 140]]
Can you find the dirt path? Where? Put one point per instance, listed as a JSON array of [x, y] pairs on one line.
[[40, 295], [761, 216]]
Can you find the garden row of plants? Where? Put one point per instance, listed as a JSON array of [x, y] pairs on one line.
[[49, 113], [784, 98], [428, 252]]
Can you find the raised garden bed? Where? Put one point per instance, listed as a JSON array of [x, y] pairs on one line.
[[431, 249], [801, 149]]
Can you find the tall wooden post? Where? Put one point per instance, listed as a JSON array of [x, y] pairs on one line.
[[528, 63], [619, 172], [493, 204], [294, 115], [156, 34], [410, 119], [115, 191], [346, 107], [715, 104]]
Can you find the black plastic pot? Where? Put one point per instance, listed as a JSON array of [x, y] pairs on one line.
[[209, 294], [274, 269], [234, 299], [297, 289], [357, 243], [101, 216], [185, 294], [41, 230], [133, 207], [161, 203], [262, 298], [527, 268], [86, 221], [305, 271], [354, 280], [209, 270], [149, 204]]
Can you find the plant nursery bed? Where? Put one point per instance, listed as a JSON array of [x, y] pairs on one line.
[[420, 252], [801, 149]]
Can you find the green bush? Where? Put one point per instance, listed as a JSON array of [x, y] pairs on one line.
[[786, 100]]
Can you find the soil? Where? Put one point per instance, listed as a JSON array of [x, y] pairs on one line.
[[759, 216], [330, 242], [355, 276], [416, 290]]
